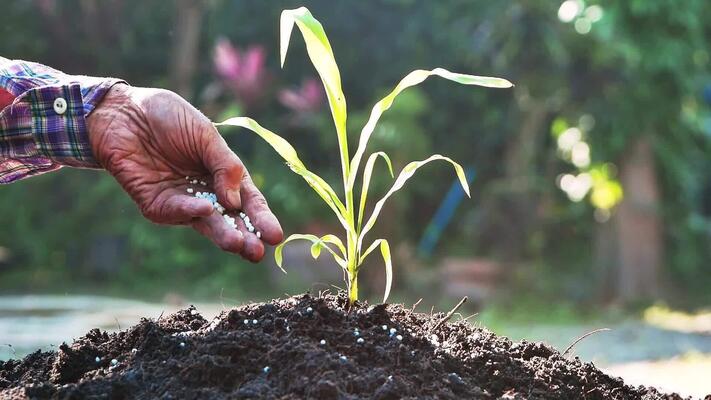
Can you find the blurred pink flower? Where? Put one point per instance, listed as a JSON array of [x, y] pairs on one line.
[[226, 59], [306, 98], [243, 72], [47, 6]]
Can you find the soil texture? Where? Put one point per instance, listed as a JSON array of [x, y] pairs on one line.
[[307, 347]]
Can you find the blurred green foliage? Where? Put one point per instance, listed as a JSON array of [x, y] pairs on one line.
[[640, 70]]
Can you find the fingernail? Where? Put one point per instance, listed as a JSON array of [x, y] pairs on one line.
[[234, 198]]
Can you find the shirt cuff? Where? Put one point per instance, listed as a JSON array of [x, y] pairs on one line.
[[45, 128]]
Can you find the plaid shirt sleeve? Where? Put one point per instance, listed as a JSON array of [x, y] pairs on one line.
[[43, 118]]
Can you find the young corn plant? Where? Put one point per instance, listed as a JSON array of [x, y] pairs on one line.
[[351, 215]]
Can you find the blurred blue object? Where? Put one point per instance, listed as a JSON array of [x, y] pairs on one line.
[[444, 214], [706, 121], [706, 93]]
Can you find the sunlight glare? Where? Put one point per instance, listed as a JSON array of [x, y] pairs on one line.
[[580, 155], [569, 10], [569, 138]]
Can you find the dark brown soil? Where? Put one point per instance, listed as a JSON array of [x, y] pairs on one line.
[[274, 351]]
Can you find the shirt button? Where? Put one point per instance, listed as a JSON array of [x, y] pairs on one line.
[[60, 106]]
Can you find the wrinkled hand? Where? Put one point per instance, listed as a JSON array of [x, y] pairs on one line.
[[151, 139]]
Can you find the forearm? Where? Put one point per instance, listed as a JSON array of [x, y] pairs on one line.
[[43, 119]]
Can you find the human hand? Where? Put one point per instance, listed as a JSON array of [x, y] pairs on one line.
[[151, 139]]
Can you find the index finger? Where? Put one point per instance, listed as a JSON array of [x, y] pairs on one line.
[[255, 205], [225, 167]]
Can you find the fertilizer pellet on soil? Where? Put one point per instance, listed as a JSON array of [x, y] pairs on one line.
[[226, 361]]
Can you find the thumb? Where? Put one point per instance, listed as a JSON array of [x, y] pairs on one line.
[[226, 169]]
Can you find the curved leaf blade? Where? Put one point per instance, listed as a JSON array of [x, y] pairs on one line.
[[321, 55], [329, 238], [370, 249], [288, 153], [367, 175], [278, 251], [414, 78], [333, 239], [280, 145], [406, 174], [316, 249], [385, 252]]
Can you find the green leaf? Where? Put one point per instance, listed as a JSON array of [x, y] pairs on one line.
[[385, 251], [369, 250], [321, 55], [367, 174], [413, 78], [285, 150], [333, 239], [288, 153], [279, 258], [316, 249], [406, 174]]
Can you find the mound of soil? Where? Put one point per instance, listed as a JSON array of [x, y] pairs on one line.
[[307, 347]]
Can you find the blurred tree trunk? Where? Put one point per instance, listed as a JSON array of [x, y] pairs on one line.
[[101, 22], [521, 153], [606, 257], [57, 33], [630, 245], [639, 226], [517, 203], [188, 24]]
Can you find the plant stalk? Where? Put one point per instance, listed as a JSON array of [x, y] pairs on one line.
[[352, 264], [352, 233], [353, 288]]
